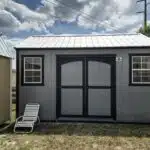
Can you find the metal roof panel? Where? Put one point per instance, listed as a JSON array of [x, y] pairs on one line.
[[6, 49], [86, 41]]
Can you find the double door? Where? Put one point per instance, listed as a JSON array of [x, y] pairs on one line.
[[86, 86]]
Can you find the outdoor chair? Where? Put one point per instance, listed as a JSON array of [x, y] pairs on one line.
[[28, 120]]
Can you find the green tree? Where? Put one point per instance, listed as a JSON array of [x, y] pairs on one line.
[[145, 31]]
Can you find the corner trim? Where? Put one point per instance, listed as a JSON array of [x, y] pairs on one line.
[[17, 83]]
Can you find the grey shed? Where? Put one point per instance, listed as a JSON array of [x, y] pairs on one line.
[[6, 54], [88, 78]]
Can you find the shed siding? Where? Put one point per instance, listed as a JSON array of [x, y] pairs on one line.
[[5, 88], [132, 102]]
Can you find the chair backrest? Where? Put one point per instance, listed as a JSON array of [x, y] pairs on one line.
[[31, 112]]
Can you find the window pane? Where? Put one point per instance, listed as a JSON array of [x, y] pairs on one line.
[[137, 73], [146, 79], [136, 66], [28, 79], [146, 73], [36, 73], [145, 58], [136, 79], [28, 60], [37, 60], [136, 59], [36, 66], [28, 73], [146, 66], [137, 76], [36, 79], [28, 66]]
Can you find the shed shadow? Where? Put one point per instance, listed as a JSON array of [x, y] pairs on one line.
[[89, 129]]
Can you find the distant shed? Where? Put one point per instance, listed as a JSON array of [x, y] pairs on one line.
[[6, 55]]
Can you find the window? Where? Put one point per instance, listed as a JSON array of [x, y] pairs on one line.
[[33, 70], [140, 73]]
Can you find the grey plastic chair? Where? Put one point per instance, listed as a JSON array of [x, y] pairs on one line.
[[29, 118]]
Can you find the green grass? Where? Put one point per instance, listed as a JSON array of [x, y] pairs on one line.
[[80, 137], [77, 136]]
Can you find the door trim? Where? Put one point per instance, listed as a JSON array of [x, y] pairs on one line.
[[59, 59]]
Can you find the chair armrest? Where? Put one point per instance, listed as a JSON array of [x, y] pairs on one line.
[[19, 118]]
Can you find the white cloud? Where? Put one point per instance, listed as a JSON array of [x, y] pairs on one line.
[[8, 22], [108, 15], [15, 17]]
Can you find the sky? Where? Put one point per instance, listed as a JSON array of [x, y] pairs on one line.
[[22, 18]]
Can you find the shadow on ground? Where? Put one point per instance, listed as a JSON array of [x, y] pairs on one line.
[[88, 129]]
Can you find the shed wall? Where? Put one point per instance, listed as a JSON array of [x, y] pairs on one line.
[[5, 89], [132, 102]]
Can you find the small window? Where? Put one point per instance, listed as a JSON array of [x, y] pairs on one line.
[[33, 70], [140, 69]]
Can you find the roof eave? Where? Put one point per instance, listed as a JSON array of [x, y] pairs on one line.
[[75, 48]]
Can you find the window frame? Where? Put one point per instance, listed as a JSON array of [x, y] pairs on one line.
[[23, 71], [131, 83]]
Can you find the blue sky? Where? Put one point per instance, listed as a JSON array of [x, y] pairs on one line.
[[22, 18]]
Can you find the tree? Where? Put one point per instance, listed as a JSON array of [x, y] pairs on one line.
[[145, 31]]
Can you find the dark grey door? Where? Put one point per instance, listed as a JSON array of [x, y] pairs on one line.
[[86, 86]]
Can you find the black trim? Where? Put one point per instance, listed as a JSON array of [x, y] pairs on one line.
[[17, 83], [58, 78], [130, 69], [89, 116], [22, 71], [98, 121], [99, 87], [113, 89], [85, 48], [71, 87], [110, 59]]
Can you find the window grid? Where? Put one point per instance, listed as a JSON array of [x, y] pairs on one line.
[[33, 70], [141, 69]]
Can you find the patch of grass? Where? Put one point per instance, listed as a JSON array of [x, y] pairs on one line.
[[80, 137], [13, 112]]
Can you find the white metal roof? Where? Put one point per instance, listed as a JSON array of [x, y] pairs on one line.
[[6, 49], [86, 41]]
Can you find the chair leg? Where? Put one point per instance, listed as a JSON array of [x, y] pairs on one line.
[[31, 130], [38, 120], [14, 129]]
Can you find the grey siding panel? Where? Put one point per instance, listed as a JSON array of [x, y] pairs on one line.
[[132, 102]]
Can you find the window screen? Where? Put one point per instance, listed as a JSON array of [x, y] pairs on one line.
[[33, 70], [141, 69]]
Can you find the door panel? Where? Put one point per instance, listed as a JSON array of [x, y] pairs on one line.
[[71, 101], [71, 73], [99, 102], [99, 73]]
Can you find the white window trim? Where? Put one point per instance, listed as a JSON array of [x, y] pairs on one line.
[[33, 70], [138, 69]]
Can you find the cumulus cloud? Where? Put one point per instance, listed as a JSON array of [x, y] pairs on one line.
[[112, 15], [15, 17], [8, 22], [107, 15]]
